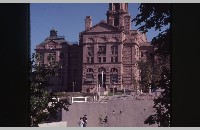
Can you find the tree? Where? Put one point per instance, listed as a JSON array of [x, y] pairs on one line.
[[158, 16], [144, 74], [135, 82], [162, 103], [43, 104]]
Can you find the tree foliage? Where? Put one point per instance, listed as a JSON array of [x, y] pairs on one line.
[[162, 103], [43, 104], [145, 74], [158, 16]]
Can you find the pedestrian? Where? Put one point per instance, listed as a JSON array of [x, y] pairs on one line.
[[100, 121], [105, 121], [81, 123], [85, 120]]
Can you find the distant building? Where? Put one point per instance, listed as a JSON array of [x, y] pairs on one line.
[[56, 49], [106, 55]]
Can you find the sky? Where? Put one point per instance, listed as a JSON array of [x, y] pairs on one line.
[[68, 19]]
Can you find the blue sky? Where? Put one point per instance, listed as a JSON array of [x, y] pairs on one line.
[[68, 19]]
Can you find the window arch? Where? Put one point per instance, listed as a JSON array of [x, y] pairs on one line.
[[101, 69], [114, 70], [90, 70]]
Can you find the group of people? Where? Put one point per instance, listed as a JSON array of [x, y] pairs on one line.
[[83, 121], [102, 122]]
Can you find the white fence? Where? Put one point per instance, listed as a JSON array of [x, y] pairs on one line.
[[85, 99]]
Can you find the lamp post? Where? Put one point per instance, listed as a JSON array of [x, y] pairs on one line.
[[73, 86], [102, 78], [97, 89], [61, 77], [113, 88]]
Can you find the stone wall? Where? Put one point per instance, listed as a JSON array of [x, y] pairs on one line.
[[120, 112], [54, 124]]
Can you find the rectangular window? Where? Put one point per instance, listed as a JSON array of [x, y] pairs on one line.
[[141, 54], [99, 59], [116, 59], [89, 78], [104, 59], [111, 59], [114, 78], [113, 49], [88, 60], [102, 50], [92, 59], [90, 51]]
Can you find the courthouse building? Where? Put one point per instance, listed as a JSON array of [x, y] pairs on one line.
[[106, 55], [111, 50]]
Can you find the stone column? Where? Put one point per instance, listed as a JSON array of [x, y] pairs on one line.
[[133, 54], [45, 58], [57, 56], [95, 52], [120, 50], [84, 53], [108, 48]]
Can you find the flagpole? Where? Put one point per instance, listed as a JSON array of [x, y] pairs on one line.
[[102, 78]]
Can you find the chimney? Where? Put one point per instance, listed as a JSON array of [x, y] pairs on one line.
[[88, 22], [53, 32]]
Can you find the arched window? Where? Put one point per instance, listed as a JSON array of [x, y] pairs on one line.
[[114, 75]]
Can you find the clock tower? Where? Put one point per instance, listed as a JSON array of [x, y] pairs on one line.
[[118, 16]]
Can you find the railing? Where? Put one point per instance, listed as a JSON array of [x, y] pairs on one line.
[[85, 99]]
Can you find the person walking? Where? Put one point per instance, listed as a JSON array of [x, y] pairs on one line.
[[105, 121], [85, 120], [81, 123]]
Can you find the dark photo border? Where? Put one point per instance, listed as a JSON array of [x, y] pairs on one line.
[[15, 49]]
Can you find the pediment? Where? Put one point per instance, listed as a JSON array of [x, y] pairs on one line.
[[103, 27], [51, 42]]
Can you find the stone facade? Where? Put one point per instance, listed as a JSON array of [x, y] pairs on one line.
[[55, 49], [110, 51], [106, 55]]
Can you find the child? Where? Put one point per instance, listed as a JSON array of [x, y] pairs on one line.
[[80, 123]]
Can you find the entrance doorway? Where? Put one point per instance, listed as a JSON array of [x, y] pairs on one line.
[[100, 80]]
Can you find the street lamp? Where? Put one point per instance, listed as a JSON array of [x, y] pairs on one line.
[[74, 82], [61, 77], [113, 88]]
